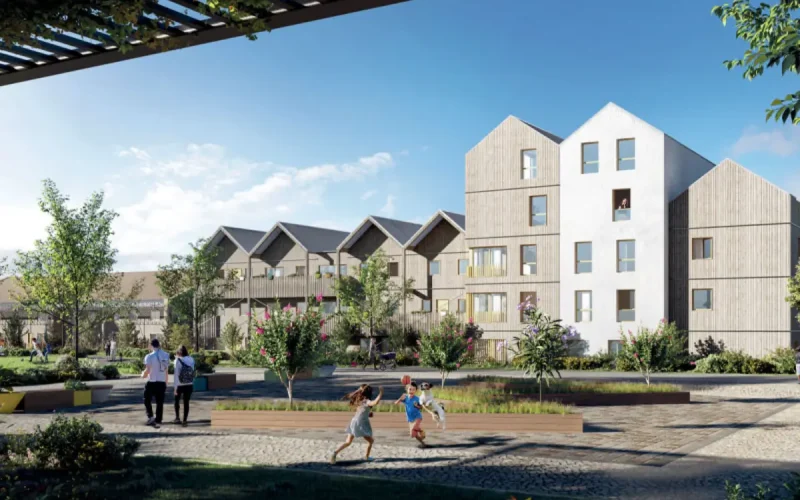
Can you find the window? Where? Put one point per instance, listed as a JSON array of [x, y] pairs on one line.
[[528, 260], [583, 257], [243, 309], [433, 267], [302, 306], [614, 347], [274, 272], [626, 256], [426, 305], [701, 248], [523, 297], [701, 299], [530, 164], [488, 262], [621, 201], [327, 270], [300, 270], [155, 315], [538, 210], [626, 154], [328, 307], [343, 270], [590, 158], [583, 306], [394, 269], [463, 266], [626, 305], [237, 274], [489, 307], [442, 306], [462, 305]]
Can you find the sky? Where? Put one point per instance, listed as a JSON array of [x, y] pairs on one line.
[[367, 114]]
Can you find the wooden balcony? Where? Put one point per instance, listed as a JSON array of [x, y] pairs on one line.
[[281, 287], [486, 271], [489, 317]]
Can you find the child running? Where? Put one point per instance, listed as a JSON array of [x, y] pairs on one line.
[[361, 400], [413, 413]]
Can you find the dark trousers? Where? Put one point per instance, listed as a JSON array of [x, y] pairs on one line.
[[156, 389], [185, 392]]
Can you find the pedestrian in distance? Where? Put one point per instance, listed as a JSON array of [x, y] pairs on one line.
[[108, 350], [156, 371], [361, 400], [184, 374], [113, 349], [413, 413]]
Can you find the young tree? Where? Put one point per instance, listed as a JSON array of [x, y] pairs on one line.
[[287, 341], [543, 343], [128, 334], [371, 299], [176, 335], [232, 337], [447, 346], [14, 329], [773, 33], [68, 275], [648, 349], [793, 286], [193, 286]]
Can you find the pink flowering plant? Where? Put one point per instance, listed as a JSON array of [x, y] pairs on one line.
[[544, 342], [647, 350], [447, 346], [287, 341]]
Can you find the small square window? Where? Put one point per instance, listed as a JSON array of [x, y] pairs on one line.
[[528, 260], [701, 299], [462, 305], [614, 347], [626, 305], [300, 270], [626, 154], [243, 309], [463, 266], [433, 268], [701, 248], [394, 269], [530, 164], [590, 158], [583, 257], [538, 210], [583, 306], [626, 256], [426, 305], [442, 306]]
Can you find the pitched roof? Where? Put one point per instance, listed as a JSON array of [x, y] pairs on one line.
[[459, 219], [456, 220], [400, 231], [246, 239], [553, 137], [316, 239]]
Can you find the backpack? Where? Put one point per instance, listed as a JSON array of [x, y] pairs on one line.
[[186, 376]]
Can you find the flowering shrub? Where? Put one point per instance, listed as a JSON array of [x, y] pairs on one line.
[[446, 347], [543, 344], [287, 341], [647, 349]]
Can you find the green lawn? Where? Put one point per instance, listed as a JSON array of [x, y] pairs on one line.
[[15, 362]]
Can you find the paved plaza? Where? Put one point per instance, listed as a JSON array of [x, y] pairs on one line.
[[737, 428]]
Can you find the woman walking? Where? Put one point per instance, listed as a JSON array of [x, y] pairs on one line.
[[184, 383]]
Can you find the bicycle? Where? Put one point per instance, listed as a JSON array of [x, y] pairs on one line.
[[384, 361]]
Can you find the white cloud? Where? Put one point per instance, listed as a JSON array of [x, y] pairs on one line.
[[369, 194], [779, 142], [388, 208], [108, 190]]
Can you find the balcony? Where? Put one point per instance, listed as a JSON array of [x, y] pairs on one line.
[[480, 317], [486, 271], [621, 214], [283, 287]]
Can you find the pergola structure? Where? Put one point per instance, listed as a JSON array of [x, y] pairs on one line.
[[186, 23]]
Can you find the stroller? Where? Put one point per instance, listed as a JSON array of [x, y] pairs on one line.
[[383, 361]]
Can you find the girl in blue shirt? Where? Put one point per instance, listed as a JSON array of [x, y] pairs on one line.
[[413, 413]]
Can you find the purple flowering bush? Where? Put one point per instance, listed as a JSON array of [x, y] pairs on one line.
[[647, 349], [544, 342], [448, 345]]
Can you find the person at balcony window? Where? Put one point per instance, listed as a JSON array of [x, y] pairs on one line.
[[624, 204]]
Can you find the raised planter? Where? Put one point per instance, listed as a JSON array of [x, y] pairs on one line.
[[200, 384], [48, 400], [101, 393], [591, 398], [484, 422], [9, 401], [220, 381], [82, 398], [307, 374], [326, 371]]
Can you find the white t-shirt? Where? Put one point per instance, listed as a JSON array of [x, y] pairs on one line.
[[158, 363], [113, 346], [188, 361]]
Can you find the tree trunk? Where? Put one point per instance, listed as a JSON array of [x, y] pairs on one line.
[[77, 320], [194, 322], [289, 390], [444, 378], [540, 389]]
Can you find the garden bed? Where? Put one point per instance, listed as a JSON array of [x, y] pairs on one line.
[[220, 381], [511, 417]]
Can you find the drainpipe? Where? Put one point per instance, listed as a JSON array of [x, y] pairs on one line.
[[249, 294], [338, 273], [308, 280], [404, 290]]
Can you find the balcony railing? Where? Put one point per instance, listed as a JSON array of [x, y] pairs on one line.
[[489, 317], [281, 287], [622, 214], [486, 271]]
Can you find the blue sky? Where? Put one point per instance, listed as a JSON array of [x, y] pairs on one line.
[[371, 113]]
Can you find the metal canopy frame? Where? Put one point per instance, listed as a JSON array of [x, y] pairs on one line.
[[188, 25]]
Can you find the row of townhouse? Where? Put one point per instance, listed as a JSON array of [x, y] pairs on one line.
[[615, 227]]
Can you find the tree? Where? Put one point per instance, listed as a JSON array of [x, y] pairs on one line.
[[446, 347], [176, 335], [68, 276], [542, 345], [287, 341], [371, 299], [14, 329], [649, 349], [193, 286], [773, 33], [794, 291], [128, 334], [232, 337]]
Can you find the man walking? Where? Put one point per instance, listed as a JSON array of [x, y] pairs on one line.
[[113, 349], [34, 350], [155, 371]]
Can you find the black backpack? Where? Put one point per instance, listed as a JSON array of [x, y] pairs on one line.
[[186, 376]]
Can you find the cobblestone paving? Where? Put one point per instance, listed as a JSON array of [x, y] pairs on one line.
[[743, 432]]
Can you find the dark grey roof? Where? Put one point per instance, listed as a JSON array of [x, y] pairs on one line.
[[245, 238], [549, 135], [459, 219], [316, 239], [400, 230]]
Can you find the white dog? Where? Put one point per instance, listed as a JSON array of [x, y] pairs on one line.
[[432, 406]]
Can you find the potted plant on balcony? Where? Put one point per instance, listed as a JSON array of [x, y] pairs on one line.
[[328, 275], [318, 275], [8, 398]]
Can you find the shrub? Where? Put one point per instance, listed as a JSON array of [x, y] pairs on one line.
[[733, 362], [14, 330], [783, 360], [128, 335], [232, 336], [445, 347], [110, 372], [134, 367], [177, 335], [75, 385], [220, 355], [18, 352], [133, 352], [709, 346]]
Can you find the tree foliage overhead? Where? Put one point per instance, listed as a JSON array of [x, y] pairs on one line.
[[120, 22], [773, 33], [794, 291]]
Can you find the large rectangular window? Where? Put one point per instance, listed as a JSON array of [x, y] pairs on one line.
[[489, 307], [701, 248], [442, 306], [590, 158], [526, 296], [538, 210], [530, 164], [433, 268], [701, 299], [583, 257], [626, 154], [488, 262], [462, 305], [463, 266], [626, 305], [583, 306], [626, 256], [528, 260], [621, 204]]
